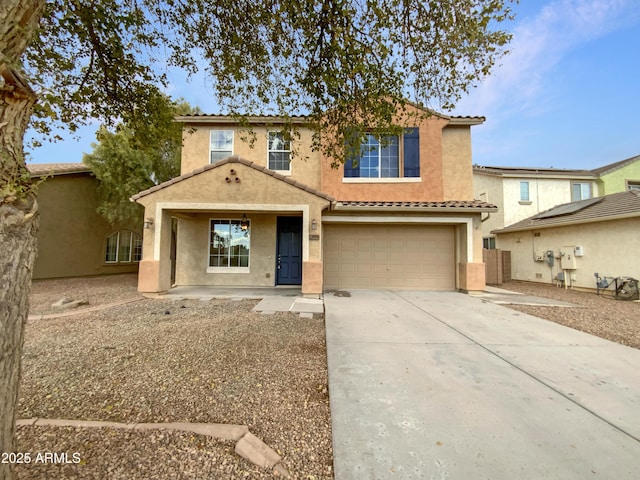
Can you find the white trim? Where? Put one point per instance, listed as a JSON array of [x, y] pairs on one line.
[[228, 270], [382, 180], [400, 219], [243, 207], [233, 134], [211, 269], [287, 172]]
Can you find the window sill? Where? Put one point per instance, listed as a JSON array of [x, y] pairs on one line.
[[286, 173], [228, 270], [382, 180], [522, 202]]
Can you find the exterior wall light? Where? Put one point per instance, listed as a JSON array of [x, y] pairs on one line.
[[314, 224], [244, 223], [148, 223]]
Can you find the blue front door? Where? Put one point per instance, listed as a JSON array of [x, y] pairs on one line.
[[289, 251]]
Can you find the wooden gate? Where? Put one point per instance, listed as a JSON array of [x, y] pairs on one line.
[[497, 266]]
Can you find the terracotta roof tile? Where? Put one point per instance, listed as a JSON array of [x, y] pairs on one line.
[[42, 169], [445, 205]]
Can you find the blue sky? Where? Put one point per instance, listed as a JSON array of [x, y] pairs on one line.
[[567, 96]]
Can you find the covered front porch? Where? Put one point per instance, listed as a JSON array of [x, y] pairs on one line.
[[232, 227]]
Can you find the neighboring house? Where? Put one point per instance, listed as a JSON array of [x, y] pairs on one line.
[[619, 176], [522, 192], [577, 239], [242, 214], [73, 239]]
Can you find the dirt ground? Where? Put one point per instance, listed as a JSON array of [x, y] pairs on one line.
[[160, 361], [600, 315]]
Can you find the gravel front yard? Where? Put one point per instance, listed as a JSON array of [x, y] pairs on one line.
[[202, 362], [600, 315], [172, 361]]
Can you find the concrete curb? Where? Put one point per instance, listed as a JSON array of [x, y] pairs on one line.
[[248, 445], [49, 316]]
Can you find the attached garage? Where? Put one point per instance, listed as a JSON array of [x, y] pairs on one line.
[[392, 256]]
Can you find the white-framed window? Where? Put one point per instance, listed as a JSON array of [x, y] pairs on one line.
[[524, 191], [384, 157], [229, 245], [124, 246], [220, 145], [380, 157], [633, 185], [279, 152], [580, 191], [489, 243]]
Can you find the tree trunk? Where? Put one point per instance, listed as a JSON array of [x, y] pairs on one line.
[[18, 208]]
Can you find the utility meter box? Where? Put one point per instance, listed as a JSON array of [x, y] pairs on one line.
[[579, 251], [549, 257], [567, 258]]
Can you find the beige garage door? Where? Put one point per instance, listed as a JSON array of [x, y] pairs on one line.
[[389, 256]]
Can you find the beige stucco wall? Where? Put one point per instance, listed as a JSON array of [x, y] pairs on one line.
[[488, 188], [208, 195], [305, 164], [192, 262], [72, 235], [610, 248], [504, 192]]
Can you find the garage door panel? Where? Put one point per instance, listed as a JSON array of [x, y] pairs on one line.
[[389, 256]]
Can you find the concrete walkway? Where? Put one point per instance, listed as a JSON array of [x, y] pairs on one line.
[[447, 386]]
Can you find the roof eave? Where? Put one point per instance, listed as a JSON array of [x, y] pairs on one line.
[[233, 120], [466, 121], [335, 206], [526, 228]]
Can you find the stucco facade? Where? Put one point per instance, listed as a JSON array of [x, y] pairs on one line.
[[189, 214], [545, 188], [619, 177], [608, 248], [72, 236], [577, 239]]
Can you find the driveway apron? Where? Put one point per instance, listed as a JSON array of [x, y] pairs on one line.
[[441, 385]]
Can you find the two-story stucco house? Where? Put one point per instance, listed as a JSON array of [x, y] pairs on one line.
[[248, 214], [522, 192]]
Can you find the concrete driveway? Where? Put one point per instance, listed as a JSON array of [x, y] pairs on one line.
[[441, 385]]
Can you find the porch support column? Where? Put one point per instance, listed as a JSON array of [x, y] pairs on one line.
[[154, 273], [312, 264], [471, 270]]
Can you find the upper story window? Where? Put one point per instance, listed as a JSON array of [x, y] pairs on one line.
[[633, 185], [221, 145], [580, 191], [524, 191], [279, 152], [386, 156], [123, 247]]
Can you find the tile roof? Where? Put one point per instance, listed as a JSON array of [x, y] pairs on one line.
[[616, 165], [228, 160], [599, 209], [42, 169], [446, 205]]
